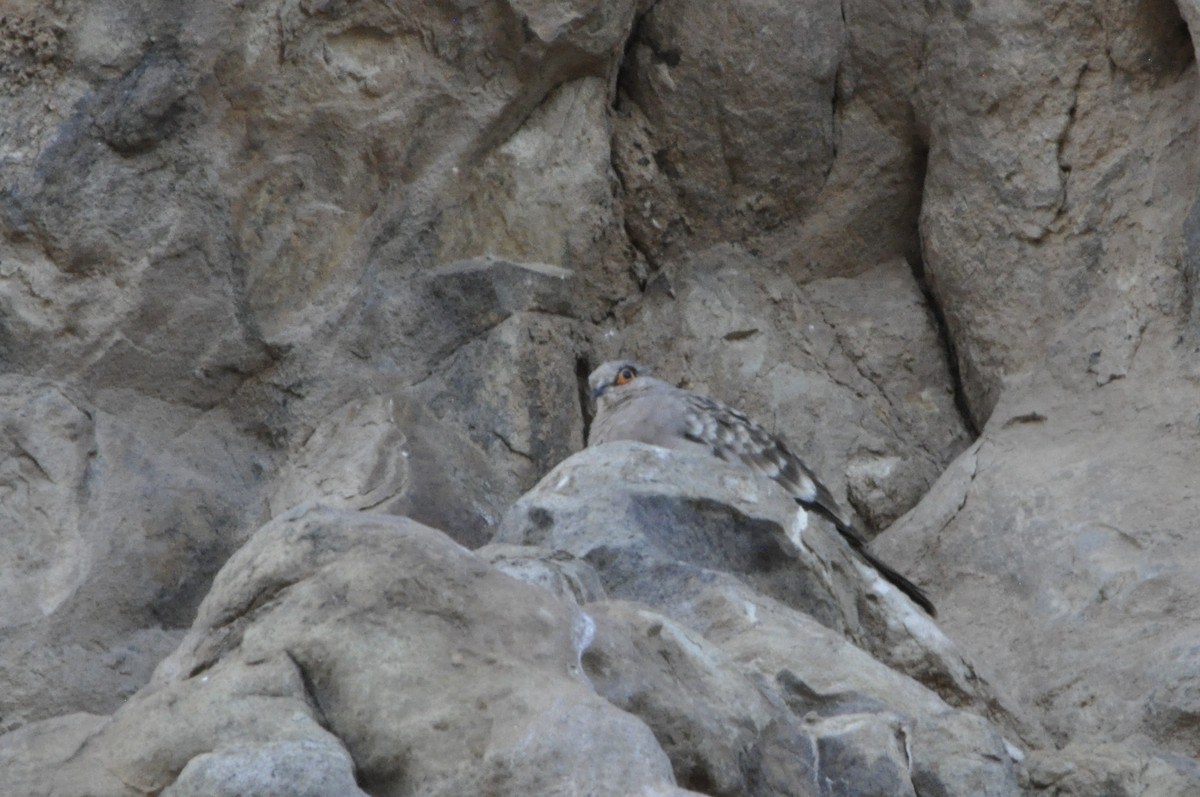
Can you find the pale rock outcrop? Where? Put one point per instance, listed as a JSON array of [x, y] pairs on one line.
[[252, 253], [349, 654], [667, 528], [346, 653], [1055, 188], [1057, 515]]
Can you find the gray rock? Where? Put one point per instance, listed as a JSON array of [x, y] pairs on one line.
[[113, 531], [486, 345], [559, 572], [509, 380], [738, 161], [652, 521], [1051, 264], [729, 730], [304, 768], [661, 527], [545, 193], [1059, 516], [705, 711], [144, 107], [51, 756], [342, 651], [1111, 769], [230, 233], [871, 747], [390, 455]]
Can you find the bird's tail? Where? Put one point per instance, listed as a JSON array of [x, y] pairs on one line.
[[903, 584], [830, 509]]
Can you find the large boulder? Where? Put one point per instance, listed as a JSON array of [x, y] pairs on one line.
[[350, 654], [668, 528], [1075, 513]]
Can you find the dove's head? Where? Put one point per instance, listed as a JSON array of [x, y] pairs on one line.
[[614, 377]]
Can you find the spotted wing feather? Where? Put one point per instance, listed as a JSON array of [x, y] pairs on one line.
[[732, 436]]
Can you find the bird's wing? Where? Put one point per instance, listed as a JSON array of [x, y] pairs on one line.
[[733, 437]]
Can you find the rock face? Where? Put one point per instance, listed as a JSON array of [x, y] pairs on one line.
[[662, 528], [347, 653], [259, 254], [359, 654]]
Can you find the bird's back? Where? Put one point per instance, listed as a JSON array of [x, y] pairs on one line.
[[650, 412]]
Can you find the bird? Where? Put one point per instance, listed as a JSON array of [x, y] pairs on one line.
[[631, 404]]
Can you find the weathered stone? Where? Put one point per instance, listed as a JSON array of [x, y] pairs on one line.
[[939, 767], [340, 648], [559, 572], [545, 194], [388, 454], [702, 708], [732, 725], [304, 768], [742, 152], [143, 107], [870, 747], [1057, 515], [231, 233], [651, 521], [51, 756], [665, 528], [524, 416], [1111, 769], [92, 589], [1045, 235], [487, 346]]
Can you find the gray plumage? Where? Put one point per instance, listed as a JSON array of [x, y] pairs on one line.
[[632, 405]]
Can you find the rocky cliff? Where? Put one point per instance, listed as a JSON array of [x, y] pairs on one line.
[[297, 303]]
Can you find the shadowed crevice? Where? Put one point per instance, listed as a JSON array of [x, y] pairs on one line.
[[943, 332], [916, 264]]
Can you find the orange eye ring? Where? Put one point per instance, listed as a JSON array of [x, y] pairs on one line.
[[624, 376]]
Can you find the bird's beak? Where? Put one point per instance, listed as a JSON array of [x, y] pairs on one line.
[[596, 393]]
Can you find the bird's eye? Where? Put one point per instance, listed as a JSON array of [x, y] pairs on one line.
[[625, 375]]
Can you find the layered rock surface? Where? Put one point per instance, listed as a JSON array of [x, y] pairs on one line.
[[258, 254], [347, 653]]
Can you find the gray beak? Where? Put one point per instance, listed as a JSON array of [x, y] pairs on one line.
[[596, 393]]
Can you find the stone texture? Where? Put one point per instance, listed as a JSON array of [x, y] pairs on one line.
[[1056, 515], [737, 685], [662, 527], [253, 253], [388, 454], [704, 711], [113, 531], [1111, 769], [740, 101], [345, 653], [1045, 235]]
